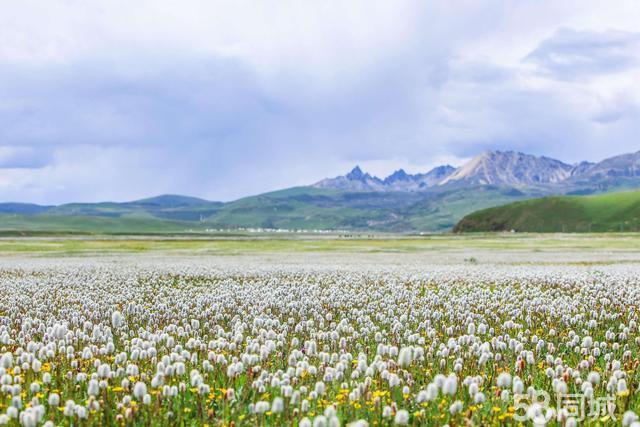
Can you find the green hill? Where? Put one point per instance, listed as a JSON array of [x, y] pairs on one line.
[[297, 208], [604, 212], [316, 208]]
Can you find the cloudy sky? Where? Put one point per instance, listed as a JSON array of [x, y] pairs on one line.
[[121, 99]]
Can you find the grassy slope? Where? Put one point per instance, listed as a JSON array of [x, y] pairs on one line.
[[443, 211], [311, 208], [606, 212]]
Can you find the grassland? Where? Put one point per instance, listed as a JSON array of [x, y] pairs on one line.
[[256, 244], [599, 213]]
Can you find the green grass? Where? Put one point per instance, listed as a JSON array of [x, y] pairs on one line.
[[333, 244], [327, 209], [613, 212], [55, 224]]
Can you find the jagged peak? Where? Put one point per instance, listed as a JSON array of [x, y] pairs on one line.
[[399, 175], [441, 169], [356, 174]]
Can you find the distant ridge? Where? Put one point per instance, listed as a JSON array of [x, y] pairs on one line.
[[171, 200], [356, 180]]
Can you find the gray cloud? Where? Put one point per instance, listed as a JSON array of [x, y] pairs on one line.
[[571, 54], [16, 157]]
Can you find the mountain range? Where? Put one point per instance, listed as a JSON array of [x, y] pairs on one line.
[[501, 168], [424, 202]]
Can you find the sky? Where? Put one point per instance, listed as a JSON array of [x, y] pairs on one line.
[[119, 100]]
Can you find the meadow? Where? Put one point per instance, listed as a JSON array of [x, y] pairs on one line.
[[435, 330]]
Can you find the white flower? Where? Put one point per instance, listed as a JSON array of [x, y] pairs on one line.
[[455, 407], [504, 380], [262, 407], [81, 412], [93, 388], [116, 319], [622, 385], [629, 418], [6, 360], [320, 421], [401, 418], [518, 386], [386, 412], [277, 405], [139, 390], [405, 357], [69, 408], [432, 392], [53, 399], [450, 385]]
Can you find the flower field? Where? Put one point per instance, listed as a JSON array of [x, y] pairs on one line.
[[89, 343]]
